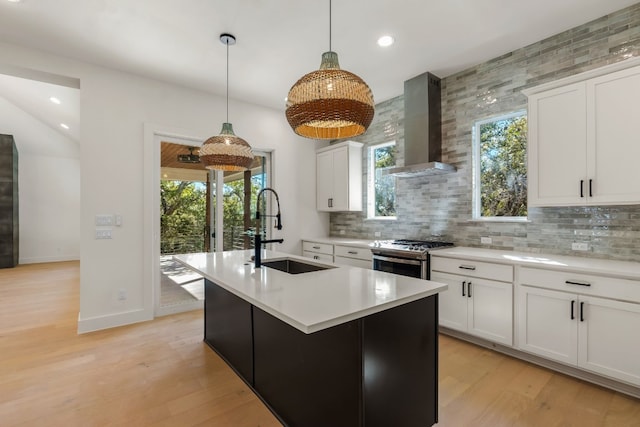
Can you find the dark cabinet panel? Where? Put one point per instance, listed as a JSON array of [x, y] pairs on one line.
[[9, 228], [228, 328], [400, 348], [309, 379]]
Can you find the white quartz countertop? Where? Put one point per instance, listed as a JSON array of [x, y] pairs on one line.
[[622, 269], [340, 241], [311, 301]]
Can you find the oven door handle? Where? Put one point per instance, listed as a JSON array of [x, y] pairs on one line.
[[398, 260]]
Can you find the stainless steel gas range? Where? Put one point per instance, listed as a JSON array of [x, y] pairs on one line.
[[405, 257]]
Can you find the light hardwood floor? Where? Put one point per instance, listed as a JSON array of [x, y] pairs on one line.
[[160, 373]]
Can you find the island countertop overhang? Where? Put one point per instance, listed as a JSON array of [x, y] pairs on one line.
[[312, 301]]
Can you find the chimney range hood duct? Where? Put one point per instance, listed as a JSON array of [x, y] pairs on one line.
[[422, 129]]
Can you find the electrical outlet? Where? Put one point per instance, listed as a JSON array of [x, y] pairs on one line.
[[376, 234], [580, 246], [122, 294], [486, 240]]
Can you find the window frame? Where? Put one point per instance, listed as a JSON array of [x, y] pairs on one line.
[[476, 181], [371, 180]]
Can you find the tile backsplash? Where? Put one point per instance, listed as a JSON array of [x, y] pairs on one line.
[[441, 206]]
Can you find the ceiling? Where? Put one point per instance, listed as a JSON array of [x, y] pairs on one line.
[[278, 41]]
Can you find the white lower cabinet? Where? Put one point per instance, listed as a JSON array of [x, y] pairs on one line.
[[590, 332], [317, 251], [547, 325], [354, 256], [475, 305], [357, 256]]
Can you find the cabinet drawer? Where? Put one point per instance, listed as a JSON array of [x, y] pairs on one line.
[[317, 256], [322, 248], [485, 270], [587, 284], [354, 262], [353, 252]]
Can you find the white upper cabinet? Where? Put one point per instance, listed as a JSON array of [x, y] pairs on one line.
[[583, 147], [339, 177], [557, 146], [613, 140]]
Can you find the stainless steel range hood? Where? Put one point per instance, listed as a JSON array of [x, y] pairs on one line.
[[422, 129]]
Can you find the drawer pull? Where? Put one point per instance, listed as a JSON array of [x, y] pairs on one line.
[[316, 247], [467, 267], [569, 282], [352, 252], [316, 257]]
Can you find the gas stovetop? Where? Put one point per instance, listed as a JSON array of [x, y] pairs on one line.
[[406, 247]]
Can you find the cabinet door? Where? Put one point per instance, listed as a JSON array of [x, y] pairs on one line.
[[317, 256], [324, 180], [546, 326], [340, 175], [608, 339], [557, 147], [490, 313], [453, 302], [613, 103]]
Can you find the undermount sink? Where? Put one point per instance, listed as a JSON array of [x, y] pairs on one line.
[[294, 266]]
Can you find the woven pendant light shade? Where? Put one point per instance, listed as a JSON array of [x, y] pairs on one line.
[[226, 152], [330, 103]]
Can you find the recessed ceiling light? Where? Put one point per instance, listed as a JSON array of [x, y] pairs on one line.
[[54, 100], [63, 126], [385, 41], [14, 1]]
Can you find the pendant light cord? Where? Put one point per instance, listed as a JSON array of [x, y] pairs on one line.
[[329, 25], [227, 43]]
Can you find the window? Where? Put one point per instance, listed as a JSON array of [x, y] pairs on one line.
[[500, 167], [382, 188]]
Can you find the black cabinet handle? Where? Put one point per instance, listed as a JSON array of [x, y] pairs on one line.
[[316, 247], [330, 202], [352, 252], [590, 188], [582, 188], [469, 290], [467, 267], [582, 311], [569, 282], [463, 294], [573, 303]]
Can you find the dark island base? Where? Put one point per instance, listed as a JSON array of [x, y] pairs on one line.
[[380, 370]]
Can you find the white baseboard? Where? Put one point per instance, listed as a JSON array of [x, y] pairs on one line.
[[40, 260], [112, 320]]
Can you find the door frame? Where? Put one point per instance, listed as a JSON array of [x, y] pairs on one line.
[[154, 134], [153, 137]]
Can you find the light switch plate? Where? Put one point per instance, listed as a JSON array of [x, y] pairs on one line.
[[486, 240], [103, 234], [104, 220]]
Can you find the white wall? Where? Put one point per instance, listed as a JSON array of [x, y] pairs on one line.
[[48, 186], [115, 107]]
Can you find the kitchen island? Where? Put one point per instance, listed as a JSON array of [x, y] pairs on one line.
[[343, 346]]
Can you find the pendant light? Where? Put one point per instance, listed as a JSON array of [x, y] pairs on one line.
[[330, 103], [226, 152]]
